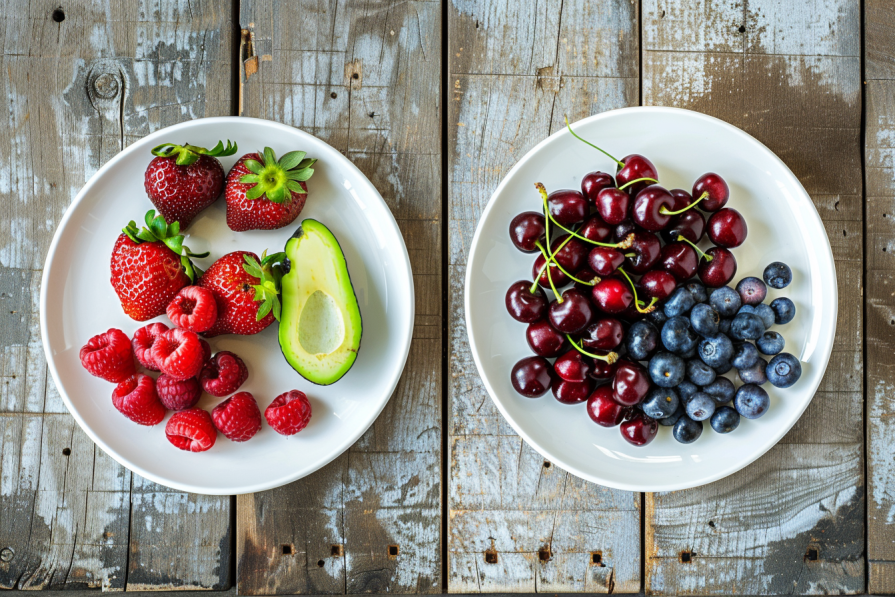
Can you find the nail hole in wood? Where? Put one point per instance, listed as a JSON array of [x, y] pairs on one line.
[[321, 563], [812, 554], [59, 15], [336, 551], [66, 451], [288, 549], [355, 76], [544, 553], [596, 559], [392, 551], [686, 557], [546, 464], [712, 523], [844, 233], [742, 29], [334, 95], [491, 557], [476, 24]]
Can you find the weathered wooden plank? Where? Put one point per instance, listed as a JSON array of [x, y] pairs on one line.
[[365, 77], [517, 523], [793, 521], [81, 82]]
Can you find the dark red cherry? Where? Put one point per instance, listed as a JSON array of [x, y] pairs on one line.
[[567, 206], [603, 334], [720, 270], [658, 284], [603, 409], [727, 228], [630, 383], [690, 225], [572, 392], [593, 183], [648, 204], [645, 250], [585, 274], [640, 429], [624, 229], [558, 278], [524, 305], [612, 295], [614, 206], [603, 371], [573, 256], [594, 228], [526, 229], [681, 199], [717, 189], [636, 166], [571, 315], [532, 376], [544, 339], [604, 261], [573, 366], [679, 260]]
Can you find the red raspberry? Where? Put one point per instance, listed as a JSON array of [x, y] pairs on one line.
[[193, 309], [178, 394], [178, 353], [191, 430], [143, 340], [223, 374], [136, 399], [109, 356], [237, 417], [289, 413], [206, 350]]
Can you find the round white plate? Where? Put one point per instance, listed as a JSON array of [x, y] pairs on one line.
[[77, 302], [783, 226]]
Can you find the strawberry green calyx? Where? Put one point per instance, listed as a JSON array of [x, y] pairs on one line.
[[157, 230], [275, 179], [188, 154], [270, 272]]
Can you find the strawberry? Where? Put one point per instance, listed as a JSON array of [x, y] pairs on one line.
[[184, 179], [149, 266], [263, 193], [245, 290]]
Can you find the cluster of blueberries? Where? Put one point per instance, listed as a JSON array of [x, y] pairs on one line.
[[701, 335]]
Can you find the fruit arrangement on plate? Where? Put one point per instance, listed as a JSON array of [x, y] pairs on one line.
[[641, 321], [306, 288]]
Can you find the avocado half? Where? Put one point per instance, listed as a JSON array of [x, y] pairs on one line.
[[320, 323]]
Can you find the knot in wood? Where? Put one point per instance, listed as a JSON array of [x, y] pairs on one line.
[[6, 554]]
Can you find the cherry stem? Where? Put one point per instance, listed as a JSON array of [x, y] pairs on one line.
[[610, 357], [547, 260], [622, 164], [637, 302], [630, 182], [703, 254], [665, 212], [630, 255], [549, 216], [561, 268], [541, 271]]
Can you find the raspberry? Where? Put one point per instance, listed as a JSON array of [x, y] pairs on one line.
[[109, 356], [136, 399], [237, 417], [223, 374], [206, 350], [193, 309], [178, 353], [191, 430], [178, 394], [289, 413], [143, 340]]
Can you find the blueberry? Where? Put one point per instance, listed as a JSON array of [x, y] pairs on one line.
[[721, 390], [752, 290], [751, 401], [698, 291], [704, 320], [685, 391], [726, 301], [744, 355], [746, 326], [673, 417], [754, 374], [642, 340], [657, 318], [784, 370], [766, 314], [724, 325], [746, 309], [716, 350], [777, 275], [784, 310], [700, 373], [725, 420], [667, 370], [723, 368], [687, 354], [679, 302], [677, 335], [700, 407], [660, 403], [770, 343], [686, 430]]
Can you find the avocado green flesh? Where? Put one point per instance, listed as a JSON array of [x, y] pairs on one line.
[[320, 323]]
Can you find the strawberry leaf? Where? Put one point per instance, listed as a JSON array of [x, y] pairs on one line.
[[270, 158], [255, 192], [250, 179], [273, 258], [291, 159], [294, 187], [254, 166]]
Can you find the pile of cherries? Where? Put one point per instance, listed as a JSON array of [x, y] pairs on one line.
[[611, 254]]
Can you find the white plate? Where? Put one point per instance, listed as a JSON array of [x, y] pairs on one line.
[[77, 302], [783, 226]]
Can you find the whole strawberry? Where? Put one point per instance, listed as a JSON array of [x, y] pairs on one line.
[[182, 180], [149, 266], [263, 193], [245, 291]]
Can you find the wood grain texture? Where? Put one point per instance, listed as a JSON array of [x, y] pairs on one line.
[[517, 523], [76, 91], [366, 78], [789, 74]]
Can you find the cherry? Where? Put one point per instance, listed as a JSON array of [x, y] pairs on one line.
[[640, 429], [604, 261], [556, 276], [635, 166], [594, 228], [567, 206], [523, 304], [585, 274], [727, 228], [572, 257], [603, 334], [648, 204], [571, 315], [573, 366], [630, 383], [717, 267], [612, 295], [572, 392], [682, 199], [544, 339], [717, 189], [624, 229], [690, 225], [645, 249], [526, 229], [532, 376], [680, 260], [603, 409], [658, 284], [614, 206], [594, 182], [603, 371]]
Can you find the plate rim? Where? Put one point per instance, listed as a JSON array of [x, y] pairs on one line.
[[669, 485], [343, 445]]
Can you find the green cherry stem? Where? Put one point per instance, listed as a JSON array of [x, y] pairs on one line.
[[549, 218], [609, 357], [546, 263], [636, 180], [561, 268], [665, 212], [637, 302], [547, 260], [702, 253], [621, 164]]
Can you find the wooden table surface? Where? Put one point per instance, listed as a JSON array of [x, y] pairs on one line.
[[435, 101]]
